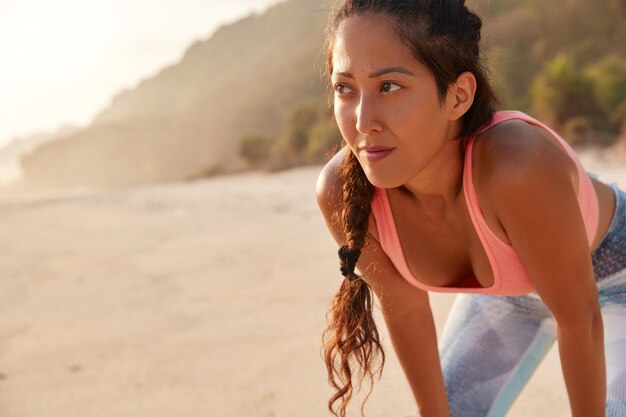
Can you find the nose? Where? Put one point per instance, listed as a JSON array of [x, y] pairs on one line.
[[367, 117]]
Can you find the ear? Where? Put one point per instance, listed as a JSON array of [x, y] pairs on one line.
[[461, 95]]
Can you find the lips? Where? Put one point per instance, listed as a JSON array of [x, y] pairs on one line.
[[375, 152]]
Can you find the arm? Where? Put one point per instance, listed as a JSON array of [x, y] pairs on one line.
[[532, 190], [409, 320], [405, 308], [415, 342]]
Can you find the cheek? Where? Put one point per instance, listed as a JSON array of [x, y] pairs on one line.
[[344, 119], [415, 118]]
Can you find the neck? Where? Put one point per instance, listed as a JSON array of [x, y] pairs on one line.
[[438, 186]]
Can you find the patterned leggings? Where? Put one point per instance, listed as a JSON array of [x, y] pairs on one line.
[[491, 345]]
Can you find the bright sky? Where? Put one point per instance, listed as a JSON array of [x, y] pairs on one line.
[[61, 61]]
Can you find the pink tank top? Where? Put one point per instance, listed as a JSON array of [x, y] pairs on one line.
[[509, 274]]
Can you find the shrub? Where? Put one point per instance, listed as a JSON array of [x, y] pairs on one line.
[[323, 138], [609, 77], [561, 91], [254, 148]]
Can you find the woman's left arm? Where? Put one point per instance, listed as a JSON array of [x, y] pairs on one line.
[[532, 192]]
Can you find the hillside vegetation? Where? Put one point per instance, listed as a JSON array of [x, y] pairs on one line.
[[560, 60], [251, 95]]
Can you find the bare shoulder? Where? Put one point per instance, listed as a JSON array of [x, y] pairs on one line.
[[529, 185], [328, 185], [517, 152], [328, 192]]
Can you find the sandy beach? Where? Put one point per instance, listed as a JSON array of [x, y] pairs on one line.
[[193, 299]]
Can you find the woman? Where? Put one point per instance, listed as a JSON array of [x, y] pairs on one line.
[[435, 191]]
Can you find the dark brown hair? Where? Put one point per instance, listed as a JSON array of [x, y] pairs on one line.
[[444, 36]]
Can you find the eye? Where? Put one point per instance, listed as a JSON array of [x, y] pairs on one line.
[[389, 87], [342, 89]]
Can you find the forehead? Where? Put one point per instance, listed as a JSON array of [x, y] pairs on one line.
[[367, 42]]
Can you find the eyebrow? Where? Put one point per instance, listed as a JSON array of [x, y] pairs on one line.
[[380, 72]]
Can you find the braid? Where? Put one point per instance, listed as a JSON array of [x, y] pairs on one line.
[[357, 193], [352, 333]]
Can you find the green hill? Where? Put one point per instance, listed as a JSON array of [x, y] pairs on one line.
[[190, 116], [259, 79], [522, 36]]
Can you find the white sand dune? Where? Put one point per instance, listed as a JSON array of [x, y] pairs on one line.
[[198, 299]]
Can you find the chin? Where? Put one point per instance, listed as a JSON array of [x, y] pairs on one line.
[[382, 180]]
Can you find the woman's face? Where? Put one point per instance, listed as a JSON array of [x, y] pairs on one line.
[[385, 99]]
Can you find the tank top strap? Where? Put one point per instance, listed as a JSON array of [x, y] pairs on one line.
[[586, 194]]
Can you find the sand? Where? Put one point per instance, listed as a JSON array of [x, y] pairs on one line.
[[190, 299]]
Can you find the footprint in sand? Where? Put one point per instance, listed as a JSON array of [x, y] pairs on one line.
[[75, 368], [266, 404]]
